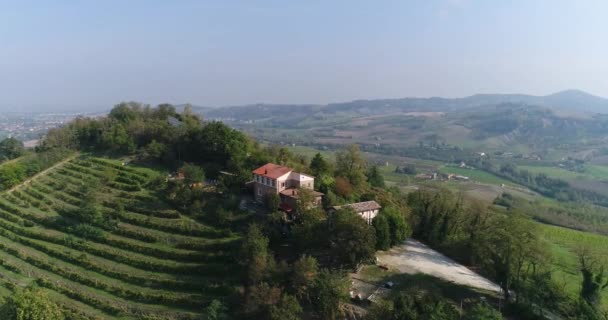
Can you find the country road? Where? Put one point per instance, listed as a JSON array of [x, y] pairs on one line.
[[415, 257], [43, 172]]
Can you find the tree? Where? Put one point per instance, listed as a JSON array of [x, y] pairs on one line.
[[383, 232], [11, 148], [437, 214], [305, 201], [343, 187], [380, 310], [259, 299], [398, 227], [125, 112], [193, 173], [305, 271], [156, 150], [215, 311], [352, 240], [416, 305], [506, 248], [11, 174], [288, 308], [272, 201], [254, 255], [483, 311], [329, 292], [594, 278], [216, 143], [350, 163], [31, 304], [375, 177], [319, 166]]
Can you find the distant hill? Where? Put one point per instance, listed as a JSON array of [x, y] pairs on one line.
[[195, 108], [569, 100]]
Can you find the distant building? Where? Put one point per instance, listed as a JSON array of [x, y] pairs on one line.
[[368, 210], [283, 181]]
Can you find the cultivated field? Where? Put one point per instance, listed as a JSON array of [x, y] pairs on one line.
[[145, 261]]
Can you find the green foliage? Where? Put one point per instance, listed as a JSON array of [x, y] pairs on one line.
[[375, 177], [352, 240], [594, 279], [329, 292], [254, 254], [11, 148], [415, 305], [16, 172], [319, 167], [383, 232], [288, 308], [272, 201], [305, 272], [87, 231], [215, 311], [351, 164], [398, 226], [436, 213], [483, 311], [506, 247], [11, 174], [31, 304], [193, 173], [158, 133]]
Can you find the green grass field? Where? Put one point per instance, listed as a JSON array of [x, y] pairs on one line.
[[564, 243], [155, 263], [554, 172], [597, 171], [591, 172]]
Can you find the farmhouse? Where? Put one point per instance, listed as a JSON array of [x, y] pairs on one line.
[[368, 210], [283, 181]]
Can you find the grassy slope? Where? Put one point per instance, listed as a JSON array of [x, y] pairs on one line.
[[123, 274], [564, 243], [591, 172]]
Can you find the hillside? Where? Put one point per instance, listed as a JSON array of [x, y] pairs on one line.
[[149, 213], [152, 262]]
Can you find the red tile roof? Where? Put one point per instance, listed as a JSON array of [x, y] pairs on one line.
[[272, 170]]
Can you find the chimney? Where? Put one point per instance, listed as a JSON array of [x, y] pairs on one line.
[[293, 192], [265, 171]]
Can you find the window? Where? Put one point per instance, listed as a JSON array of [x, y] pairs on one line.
[[273, 183], [259, 192], [283, 184]]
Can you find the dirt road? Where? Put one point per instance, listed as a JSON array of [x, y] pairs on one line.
[[415, 257], [43, 172]]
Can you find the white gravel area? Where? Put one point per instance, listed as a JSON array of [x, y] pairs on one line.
[[415, 257]]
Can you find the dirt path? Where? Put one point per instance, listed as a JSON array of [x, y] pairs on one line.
[[415, 257], [42, 173]]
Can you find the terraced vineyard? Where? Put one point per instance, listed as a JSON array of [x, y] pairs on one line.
[[144, 260]]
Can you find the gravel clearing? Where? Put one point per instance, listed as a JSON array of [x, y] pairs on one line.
[[415, 257]]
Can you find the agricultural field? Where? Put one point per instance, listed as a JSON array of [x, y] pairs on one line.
[[564, 243], [140, 259], [590, 172]]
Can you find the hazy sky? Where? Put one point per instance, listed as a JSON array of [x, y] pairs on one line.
[[85, 54]]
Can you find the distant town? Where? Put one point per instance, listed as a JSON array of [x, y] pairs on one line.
[[30, 126]]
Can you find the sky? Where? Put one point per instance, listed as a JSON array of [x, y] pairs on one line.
[[79, 54]]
